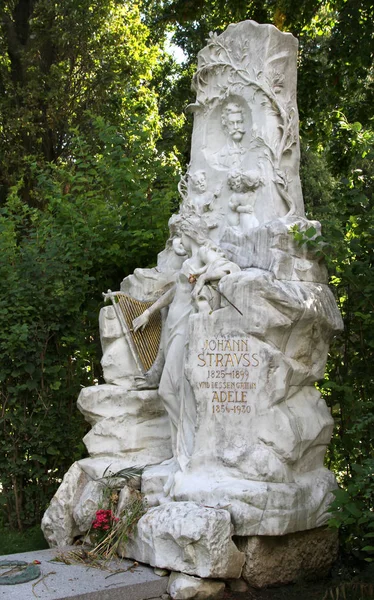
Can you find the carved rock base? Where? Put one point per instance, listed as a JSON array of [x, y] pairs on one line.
[[128, 424], [186, 537], [81, 493], [58, 525], [278, 560], [261, 508]]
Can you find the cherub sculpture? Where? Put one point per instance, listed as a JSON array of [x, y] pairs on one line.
[[242, 200]]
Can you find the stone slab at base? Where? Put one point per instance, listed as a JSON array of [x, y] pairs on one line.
[[279, 560], [77, 582]]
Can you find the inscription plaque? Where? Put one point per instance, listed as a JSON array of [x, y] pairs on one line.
[[227, 371]]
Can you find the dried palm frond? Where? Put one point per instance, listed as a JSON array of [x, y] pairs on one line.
[[126, 474]]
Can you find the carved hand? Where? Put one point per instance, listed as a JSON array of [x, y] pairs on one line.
[[198, 287], [142, 321]]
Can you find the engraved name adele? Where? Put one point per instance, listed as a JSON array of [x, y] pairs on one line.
[[227, 369]]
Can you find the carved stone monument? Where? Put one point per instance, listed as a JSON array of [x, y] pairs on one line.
[[211, 358]]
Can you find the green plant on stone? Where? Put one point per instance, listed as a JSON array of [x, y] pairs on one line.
[[309, 239]]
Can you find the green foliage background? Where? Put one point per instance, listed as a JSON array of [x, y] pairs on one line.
[[92, 138], [85, 198]]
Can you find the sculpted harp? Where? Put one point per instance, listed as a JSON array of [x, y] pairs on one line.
[[144, 345]]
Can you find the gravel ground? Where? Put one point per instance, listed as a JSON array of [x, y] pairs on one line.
[[304, 591], [341, 586]]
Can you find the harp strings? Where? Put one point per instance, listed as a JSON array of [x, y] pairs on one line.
[[146, 342]]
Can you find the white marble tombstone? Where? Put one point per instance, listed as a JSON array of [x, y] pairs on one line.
[[251, 428], [228, 419]]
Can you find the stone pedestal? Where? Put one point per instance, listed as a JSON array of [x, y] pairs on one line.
[[278, 560]]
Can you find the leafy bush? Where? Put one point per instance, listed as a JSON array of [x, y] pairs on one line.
[[353, 512], [103, 214], [85, 196]]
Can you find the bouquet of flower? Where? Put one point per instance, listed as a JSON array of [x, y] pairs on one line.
[[112, 525], [108, 531], [103, 522]]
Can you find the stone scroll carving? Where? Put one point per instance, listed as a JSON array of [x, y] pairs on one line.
[[228, 416]]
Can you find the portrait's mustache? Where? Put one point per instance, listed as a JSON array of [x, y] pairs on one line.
[[242, 131]]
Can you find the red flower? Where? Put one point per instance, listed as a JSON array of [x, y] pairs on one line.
[[104, 518]]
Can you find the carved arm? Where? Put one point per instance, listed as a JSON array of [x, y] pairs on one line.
[[165, 300]]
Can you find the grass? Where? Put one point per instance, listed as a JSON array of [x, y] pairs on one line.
[[12, 542]]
